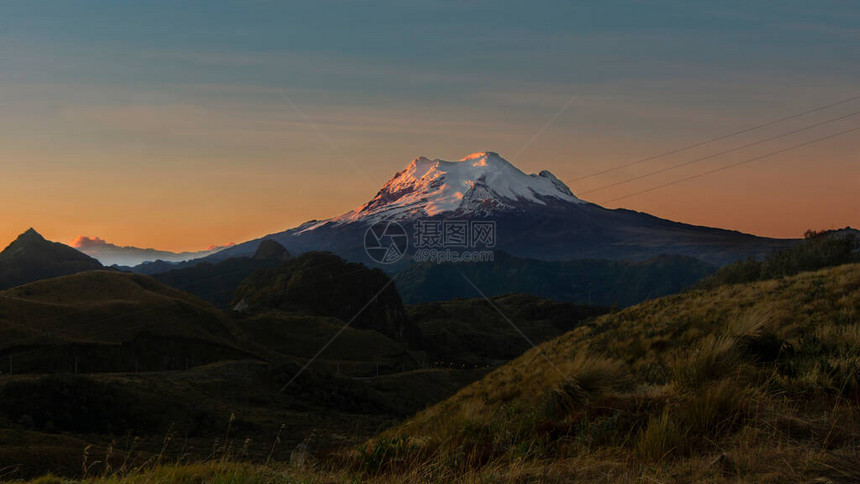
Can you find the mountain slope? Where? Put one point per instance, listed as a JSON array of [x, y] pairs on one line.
[[216, 283], [323, 284], [589, 281], [471, 332], [30, 258], [536, 216], [109, 319], [479, 183], [722, 385]]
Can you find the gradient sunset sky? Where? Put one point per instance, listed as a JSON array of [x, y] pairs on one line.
[[179, 125]]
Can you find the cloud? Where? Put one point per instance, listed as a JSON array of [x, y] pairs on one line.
[[84, 242], [213, 248]]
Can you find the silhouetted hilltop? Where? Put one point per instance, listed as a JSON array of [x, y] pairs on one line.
[[269, 249], [31, 258], [322, 283]]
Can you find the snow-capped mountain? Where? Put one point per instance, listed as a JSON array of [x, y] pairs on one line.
[[536, 216], [479, 184]]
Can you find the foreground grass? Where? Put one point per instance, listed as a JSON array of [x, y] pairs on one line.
[[747, 383], [215, 472], [753, 383]]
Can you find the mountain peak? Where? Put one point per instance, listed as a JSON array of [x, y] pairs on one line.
[[30, 258], [484, 155], [30, 234], [480, 183]]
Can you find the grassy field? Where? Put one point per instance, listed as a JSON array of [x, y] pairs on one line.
[[743, 383], [755, 382]]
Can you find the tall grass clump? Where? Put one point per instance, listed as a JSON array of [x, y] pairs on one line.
[[714, 409], [586, 377], [660, 439], [715, 358]]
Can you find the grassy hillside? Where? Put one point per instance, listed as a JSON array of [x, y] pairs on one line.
[[354, 352], [104, 306], [742, 383], [755, 382], [110, 321], [223, 412], [817, 251]]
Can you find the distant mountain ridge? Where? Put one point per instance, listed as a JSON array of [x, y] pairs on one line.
[[111, 254]]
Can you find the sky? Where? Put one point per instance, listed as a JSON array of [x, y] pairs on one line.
[[181, 125]]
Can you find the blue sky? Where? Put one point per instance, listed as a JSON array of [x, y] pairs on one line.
[[299, 110]]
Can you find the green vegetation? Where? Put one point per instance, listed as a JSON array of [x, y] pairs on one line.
[[160, 374], [817, 251], [755, 382], [110, 321], [214, 283], [355, 352], [323, 284], [472, 333], [588, 281], [752, 383]]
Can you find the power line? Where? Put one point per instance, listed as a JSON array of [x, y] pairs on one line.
[[719, 138], [731, 150], [749, 160]]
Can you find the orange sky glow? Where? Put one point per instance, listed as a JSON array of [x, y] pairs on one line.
[[164, 128], [194, 208]]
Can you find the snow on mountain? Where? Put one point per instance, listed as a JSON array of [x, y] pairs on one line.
[[536, 217], [481, 183]]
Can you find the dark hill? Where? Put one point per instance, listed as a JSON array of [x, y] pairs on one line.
[[321, 283], [269, 249], [31, 258], [109, 320], [589, 281], [471, 332], [216, 283]]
